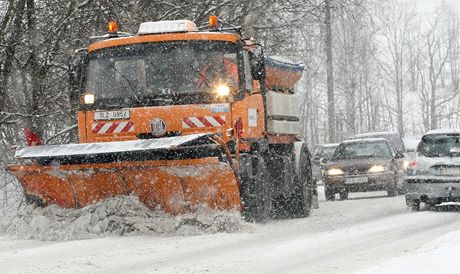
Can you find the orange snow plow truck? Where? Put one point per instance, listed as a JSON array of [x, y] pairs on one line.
[[181, 118]]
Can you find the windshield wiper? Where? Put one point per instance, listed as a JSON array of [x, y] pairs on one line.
[[130, 84], [202, 75]]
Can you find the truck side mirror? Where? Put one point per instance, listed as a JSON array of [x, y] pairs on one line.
[[258, 64], [75, 74]]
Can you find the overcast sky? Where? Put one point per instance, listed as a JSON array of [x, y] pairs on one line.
[[429, 5]]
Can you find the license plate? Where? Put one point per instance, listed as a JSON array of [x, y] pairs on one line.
[[356, 180], [121, 114]]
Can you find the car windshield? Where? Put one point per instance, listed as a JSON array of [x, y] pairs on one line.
[[326, 152], [176, 71], [393, 138], [362, 150], [440, 146]]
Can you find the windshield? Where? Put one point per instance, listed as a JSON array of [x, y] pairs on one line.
[[362, 150], [394, 139], [326, 152], [178, 72], [440, 146]]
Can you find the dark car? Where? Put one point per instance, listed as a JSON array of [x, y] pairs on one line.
[[397, 142], [371, 164]]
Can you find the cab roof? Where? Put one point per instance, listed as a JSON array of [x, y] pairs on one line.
[[376, 133], [441, 131], [164, 37], [365, 140], [329, 145]]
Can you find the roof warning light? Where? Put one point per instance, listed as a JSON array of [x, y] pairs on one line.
[[112, 27]]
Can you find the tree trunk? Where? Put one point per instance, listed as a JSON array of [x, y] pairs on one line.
[[35, 71], [16, 33], [433, 118], [329, 73]]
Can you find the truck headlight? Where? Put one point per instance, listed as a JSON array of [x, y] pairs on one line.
[[376, 169], [334, 172], [223, 90], [89, 99]]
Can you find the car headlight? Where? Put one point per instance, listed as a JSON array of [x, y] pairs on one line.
[[376, 169], [334, 172]]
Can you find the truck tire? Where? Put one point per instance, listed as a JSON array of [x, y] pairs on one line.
[[300, 202], [256, 192]]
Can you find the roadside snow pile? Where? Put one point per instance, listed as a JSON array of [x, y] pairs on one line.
[[122, 215], [437, 256]]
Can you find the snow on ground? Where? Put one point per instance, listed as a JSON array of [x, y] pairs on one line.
[[123, 215], [368, 233], [437, 256]]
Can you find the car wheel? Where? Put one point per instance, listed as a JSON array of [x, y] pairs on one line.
[[431, 204], [392, 190], [413, 205], [343, 195], [329, 194], [401, 187]]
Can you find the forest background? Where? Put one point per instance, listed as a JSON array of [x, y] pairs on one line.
[[370, 65]]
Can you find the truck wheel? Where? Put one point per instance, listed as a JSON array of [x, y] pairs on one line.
[[343, 195], [256, 192], [301, 199]]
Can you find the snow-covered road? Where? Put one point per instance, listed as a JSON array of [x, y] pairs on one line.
[[343, 236]]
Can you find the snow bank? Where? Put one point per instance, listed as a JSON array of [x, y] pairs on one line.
[[11, 193], [119, 216], [437, 256]]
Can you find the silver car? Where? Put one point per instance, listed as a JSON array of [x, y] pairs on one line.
[[433, 177]]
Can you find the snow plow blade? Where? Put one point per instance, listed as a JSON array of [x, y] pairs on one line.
[[174, 174]]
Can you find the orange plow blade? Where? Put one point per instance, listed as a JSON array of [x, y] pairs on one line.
[[173, 185]]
